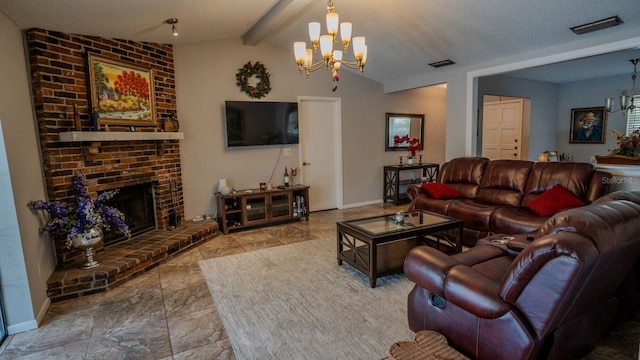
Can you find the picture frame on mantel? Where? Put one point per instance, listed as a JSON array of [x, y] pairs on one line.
[[588, 125], [121, 93]]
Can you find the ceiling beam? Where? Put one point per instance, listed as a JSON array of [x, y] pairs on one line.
[[279, 14]]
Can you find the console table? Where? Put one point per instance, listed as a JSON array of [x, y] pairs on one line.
[[255, 207], [393, 180]]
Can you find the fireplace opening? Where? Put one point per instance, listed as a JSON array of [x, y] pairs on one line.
[[136, 203]]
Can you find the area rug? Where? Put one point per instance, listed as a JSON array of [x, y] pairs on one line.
[[296, 302]]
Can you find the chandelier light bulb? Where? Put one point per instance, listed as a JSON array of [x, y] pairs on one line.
[[332, 23], [173, 22], [345, 34], [364, 57], [308, 60], [358, 47], [300, 51], [337, 59], [326, 46], [608, 103], [624, 100], [314, 31]]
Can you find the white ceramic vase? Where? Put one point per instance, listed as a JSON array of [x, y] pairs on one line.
[[223, 188], [410, 161]]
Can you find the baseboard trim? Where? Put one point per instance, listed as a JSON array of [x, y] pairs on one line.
[[31, 324], [43, 310], [22, 327], [373, 202]]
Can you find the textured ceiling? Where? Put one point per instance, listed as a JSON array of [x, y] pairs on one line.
[[403, 36]]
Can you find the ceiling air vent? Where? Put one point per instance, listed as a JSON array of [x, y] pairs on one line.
[[442, 63], [597, 25]]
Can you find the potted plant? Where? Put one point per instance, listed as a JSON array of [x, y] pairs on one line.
[[83, 220], [627, 152], [414, 145]]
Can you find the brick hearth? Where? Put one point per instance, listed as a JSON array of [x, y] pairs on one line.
[[126, 259]]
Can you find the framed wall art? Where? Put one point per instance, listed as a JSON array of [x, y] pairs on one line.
[[121, 93], [401, 125], [588, 125]]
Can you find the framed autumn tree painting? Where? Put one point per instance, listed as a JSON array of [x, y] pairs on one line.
[[121, 93]]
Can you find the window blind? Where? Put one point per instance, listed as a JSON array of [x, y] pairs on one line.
[[633, 118]]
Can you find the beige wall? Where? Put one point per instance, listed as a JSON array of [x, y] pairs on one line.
[[205, 78], [432, 102], [24, 252]]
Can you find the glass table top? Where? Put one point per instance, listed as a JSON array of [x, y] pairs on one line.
[[387, 223]]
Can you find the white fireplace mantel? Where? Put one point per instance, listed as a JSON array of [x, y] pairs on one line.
[[70, 136]]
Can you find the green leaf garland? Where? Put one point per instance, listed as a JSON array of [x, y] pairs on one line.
[[246, 72]]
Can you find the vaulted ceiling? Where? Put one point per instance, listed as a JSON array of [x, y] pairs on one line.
[[403, 36]]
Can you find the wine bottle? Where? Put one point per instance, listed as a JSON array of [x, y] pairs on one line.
[[286, 177]]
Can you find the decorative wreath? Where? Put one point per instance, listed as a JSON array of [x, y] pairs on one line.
[[246, 72]]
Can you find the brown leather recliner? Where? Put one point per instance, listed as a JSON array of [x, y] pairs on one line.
[[554, 299]]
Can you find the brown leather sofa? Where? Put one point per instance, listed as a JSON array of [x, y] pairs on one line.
[[495, 194], [551, 297]]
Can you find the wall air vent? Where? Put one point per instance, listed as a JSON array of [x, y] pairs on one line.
[[442, 63], [597, 25]]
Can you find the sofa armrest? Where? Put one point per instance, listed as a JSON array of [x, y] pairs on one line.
[[428, 267], [445, 276], [475, 293], [520, 242], [413, 191]]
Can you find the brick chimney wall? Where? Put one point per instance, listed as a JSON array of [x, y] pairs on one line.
[[59, 79]]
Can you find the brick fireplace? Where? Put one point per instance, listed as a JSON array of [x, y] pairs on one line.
[[60, 93]]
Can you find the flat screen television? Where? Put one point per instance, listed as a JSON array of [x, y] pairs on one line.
[[257, 123]]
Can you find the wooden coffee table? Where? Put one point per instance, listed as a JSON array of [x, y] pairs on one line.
[[378, 245]]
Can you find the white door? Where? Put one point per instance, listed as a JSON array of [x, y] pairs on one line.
[[320, 126], [502, 129]]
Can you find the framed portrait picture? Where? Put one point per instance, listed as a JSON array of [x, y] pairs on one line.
[[588, 125], [121, 93]]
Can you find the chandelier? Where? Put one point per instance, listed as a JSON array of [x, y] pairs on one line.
[[626, 102], [331, 59]]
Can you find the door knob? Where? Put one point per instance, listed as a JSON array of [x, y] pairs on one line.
[[305, 163], [516, 140]]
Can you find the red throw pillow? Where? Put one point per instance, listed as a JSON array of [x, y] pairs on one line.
[[441, 191], [553, 200]]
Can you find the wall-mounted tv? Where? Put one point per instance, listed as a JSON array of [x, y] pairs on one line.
[[256, 123]]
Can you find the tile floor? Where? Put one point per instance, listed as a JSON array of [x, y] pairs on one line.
[[168, 313]]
